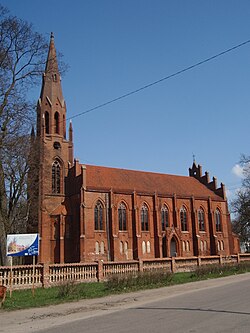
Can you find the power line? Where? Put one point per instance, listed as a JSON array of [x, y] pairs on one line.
[[160, 80]]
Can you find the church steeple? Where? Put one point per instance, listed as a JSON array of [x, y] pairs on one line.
[[52, 65], [54, 160], [51, 100]]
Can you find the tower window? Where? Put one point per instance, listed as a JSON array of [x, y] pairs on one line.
[[57, 145], [56, 118], [46, 122], [56, 177]]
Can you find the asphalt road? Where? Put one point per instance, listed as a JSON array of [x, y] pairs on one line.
[[221, 305]]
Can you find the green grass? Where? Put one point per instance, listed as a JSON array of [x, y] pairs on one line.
[[67, 292], [70, 291]]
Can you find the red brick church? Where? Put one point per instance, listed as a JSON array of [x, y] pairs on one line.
[[87, 212]]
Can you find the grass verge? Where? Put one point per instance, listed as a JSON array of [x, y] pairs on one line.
[[70, 291]]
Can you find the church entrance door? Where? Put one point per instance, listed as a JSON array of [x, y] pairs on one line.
[[173, 248]]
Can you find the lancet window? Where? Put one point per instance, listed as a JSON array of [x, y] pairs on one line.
[[144, 218], [99, 223], [122, 217], [56, 177]]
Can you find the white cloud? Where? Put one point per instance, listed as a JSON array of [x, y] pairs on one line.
[[229, 193], [237, 170]]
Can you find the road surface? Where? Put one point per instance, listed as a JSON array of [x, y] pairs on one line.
[[221, 305]]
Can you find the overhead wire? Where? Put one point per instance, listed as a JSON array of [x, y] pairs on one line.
[[160, 80]]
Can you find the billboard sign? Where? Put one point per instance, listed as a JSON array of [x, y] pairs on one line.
[[19, 245]]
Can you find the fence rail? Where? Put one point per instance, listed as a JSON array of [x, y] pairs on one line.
[[72, 272], [47, 275], [21, 277]]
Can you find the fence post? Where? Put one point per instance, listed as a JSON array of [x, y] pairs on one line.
[[198, 261], [100, 270], [45, 276], [220, 260], [140, 265], [238, 258], [173, 267]]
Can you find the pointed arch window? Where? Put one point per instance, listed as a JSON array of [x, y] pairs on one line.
[[125, 247], [99, 216], [56, 118], [217, 220], [46, 122], [164, 218], [144, 218], [148, 247], [121, 247], [201, 219], [122, 217], [97, 250], [183, 218], [102, 248], [56, 177]]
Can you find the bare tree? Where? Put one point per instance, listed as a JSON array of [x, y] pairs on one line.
[[22, 59], [241, 204]]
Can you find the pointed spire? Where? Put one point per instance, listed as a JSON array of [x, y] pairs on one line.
[[194, 166], [51, 87], [51, 64]]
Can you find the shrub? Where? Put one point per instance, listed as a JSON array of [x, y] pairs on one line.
[[67, 289], [220, 270], [154, 278]]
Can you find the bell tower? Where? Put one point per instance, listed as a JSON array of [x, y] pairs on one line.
[[55, 160]]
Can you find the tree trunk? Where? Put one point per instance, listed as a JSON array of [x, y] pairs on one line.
[[3, 216]]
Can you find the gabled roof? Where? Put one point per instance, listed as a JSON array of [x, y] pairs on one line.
[[99, 177]]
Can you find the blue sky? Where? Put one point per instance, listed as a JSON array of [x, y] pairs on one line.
[[115, 46]]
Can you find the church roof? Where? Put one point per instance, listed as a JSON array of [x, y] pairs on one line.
[[99, 177]]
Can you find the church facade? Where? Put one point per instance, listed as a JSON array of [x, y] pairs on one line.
[[87, 213]]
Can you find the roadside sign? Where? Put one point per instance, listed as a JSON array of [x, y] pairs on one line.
[[19, 245]]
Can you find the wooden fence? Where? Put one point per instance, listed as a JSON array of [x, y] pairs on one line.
[[47, 275]]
